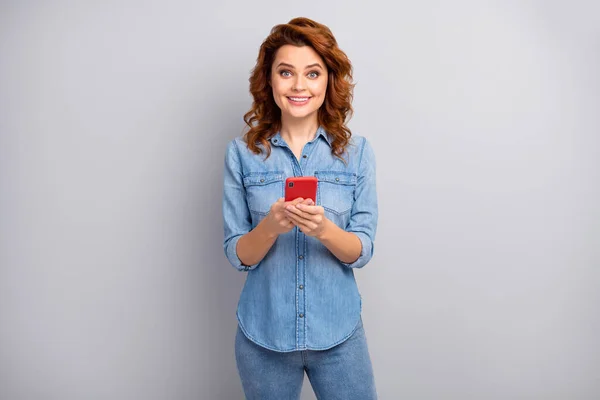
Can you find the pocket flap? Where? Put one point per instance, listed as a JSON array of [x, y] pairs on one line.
[[340, 178], [262, 178]]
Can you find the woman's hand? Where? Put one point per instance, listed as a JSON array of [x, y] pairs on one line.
[[277, 221], [309, 218]]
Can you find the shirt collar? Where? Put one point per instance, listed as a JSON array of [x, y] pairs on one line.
[[321, 132], [277, 140]]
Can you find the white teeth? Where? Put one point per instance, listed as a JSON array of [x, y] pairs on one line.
[[298, 98]]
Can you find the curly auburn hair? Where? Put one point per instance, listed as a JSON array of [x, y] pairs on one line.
[[264, 118]]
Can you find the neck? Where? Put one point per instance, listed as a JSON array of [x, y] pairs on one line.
[[298, 131]]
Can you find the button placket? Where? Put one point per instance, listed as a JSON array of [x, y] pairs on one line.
[[300, 292]]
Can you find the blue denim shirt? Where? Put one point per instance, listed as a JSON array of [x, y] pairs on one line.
[[300, 296]]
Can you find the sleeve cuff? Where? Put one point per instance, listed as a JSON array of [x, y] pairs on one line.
[[366, 251], [233, 258]]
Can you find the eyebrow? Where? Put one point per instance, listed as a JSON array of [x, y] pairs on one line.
[[282, 64]]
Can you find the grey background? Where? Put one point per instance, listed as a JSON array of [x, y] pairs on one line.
[[114, 117]]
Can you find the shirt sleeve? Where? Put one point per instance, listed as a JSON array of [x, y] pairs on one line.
[[364, 213], [236, 215]]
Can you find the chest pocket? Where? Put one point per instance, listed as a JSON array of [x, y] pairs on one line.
[[262, 190], [336, 191]]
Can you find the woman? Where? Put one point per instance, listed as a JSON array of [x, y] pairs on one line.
[[300, 309]]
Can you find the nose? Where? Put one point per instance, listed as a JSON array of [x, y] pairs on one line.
[[298, 85]]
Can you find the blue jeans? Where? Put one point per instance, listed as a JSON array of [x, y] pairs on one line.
[[343, 372]]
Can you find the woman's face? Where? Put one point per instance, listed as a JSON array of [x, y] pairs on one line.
[[299, 81]]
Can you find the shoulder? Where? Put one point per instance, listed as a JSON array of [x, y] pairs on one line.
[[236, 148], [240, 145], [231, 151], [236, 144], [361, 154], [358, 146], [357, 142], [238, 153]]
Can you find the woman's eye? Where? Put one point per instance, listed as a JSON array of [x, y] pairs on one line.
[[285, 73], [313, 74]]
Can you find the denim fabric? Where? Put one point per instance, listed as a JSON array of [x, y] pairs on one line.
[[300, 296], [343, 372]]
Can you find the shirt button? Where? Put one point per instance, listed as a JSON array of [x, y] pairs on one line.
[[301, 257], [301, 315], [262, 180], [301, 287], [304, 156], [337, 179], [274, 140]]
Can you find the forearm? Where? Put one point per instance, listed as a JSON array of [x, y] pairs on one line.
[[346, 246], [254, 245]]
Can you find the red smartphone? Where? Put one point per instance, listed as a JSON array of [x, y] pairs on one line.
[[301, 186]]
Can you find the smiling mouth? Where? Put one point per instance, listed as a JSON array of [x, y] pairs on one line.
[[298, 100]]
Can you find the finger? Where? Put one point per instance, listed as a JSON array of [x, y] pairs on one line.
[[292, 202], [313, 210], [295, 210], [283, 219], [297, 219], [281, 203], [306, 228], [285, 222]]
